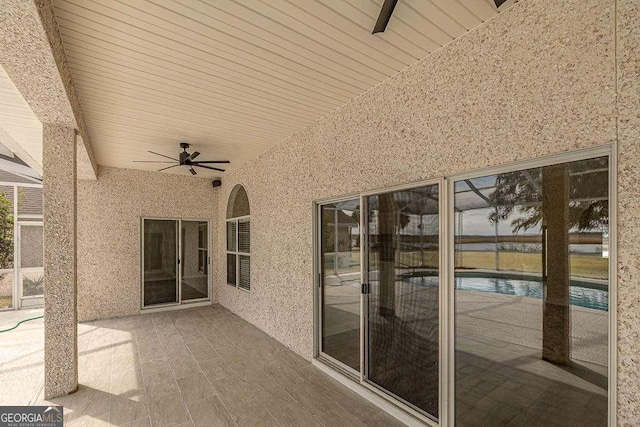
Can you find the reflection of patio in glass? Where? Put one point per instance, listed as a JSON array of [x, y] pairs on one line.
[[497, 358]]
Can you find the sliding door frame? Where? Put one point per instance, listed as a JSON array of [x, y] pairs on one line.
[[553, 159], [179, 262], [208, 297], [365, 381], [447, 274], [361, 377], [318, 286]]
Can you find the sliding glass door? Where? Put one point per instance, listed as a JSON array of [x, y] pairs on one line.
[[340, 281], [175, 261], [160, 261], [194, 265], [490, 304], [532, 296], [402, 296], [397, 290]]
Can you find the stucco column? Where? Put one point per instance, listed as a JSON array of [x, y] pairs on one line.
[[387, 211], [556, 325], [60, 320]]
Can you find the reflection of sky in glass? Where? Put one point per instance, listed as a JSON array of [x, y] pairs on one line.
[[476, 222], [480, 183]]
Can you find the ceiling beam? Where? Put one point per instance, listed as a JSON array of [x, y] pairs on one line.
[[31, 53]]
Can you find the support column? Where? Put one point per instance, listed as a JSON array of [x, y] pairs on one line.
[[556, 325], [60, 320], [387, 212]]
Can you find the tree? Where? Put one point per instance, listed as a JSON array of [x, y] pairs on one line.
[[520, 192], [6, 232]]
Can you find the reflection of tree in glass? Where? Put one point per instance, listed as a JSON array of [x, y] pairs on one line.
[[519, 192]]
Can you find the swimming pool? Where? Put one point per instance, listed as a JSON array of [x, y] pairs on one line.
[[582, 294]]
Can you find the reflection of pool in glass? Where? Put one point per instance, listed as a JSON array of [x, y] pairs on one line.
[[589, 296]]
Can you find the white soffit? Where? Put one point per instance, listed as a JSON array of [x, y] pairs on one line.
[[20, 129], [235, 77]]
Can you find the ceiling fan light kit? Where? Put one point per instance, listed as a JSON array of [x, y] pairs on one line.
[[185, 160]]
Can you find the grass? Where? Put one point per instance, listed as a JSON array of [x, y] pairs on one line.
[[582, 265]]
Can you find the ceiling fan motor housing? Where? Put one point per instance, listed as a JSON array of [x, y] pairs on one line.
[[183, 157]]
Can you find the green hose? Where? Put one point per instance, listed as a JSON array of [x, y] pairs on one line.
[[18, 324]]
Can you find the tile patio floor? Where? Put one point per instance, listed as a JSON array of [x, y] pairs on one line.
[[202, 366], [21, 357]]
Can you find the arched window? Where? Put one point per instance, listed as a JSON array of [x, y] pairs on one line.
[[238, 239]]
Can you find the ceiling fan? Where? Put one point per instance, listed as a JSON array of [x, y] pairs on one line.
[[387, 10], [185, 160]]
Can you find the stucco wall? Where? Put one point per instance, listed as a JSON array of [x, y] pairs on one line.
[[540, 78], [109, 212], [628, 88]]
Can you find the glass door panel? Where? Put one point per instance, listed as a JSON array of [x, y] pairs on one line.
[[340, 281], [160, 261], [194, 260], [403, 296], [532, 296]]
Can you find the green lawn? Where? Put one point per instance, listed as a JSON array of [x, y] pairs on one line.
[[582, 265]]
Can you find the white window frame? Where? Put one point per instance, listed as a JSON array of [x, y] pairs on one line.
[[237, 220]]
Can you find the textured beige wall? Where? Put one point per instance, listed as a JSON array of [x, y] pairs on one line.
[[537, 79], [109, 212], [540, 78]]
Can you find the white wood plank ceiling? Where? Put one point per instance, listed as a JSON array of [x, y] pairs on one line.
[[233, 77]]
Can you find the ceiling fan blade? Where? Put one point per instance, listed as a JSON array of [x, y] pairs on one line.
[[168, 167], [211, 161], [151, 161], [193, 172], [209, 167], [158, 154], [193, 155], [385, 15]]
